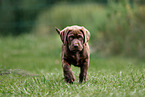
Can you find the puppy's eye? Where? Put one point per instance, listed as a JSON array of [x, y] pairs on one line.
[[71, 38], [80, 37]]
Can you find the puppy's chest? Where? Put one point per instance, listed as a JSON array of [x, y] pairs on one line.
[[76, 59]]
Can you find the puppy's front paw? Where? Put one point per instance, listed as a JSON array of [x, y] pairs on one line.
[[69, 79]]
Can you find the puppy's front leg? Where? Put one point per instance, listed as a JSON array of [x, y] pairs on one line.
[[84, 70], [68, 75]]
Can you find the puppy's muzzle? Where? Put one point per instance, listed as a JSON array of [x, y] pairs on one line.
[[76, 45]]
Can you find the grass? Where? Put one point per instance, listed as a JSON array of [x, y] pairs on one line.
[[31, 66]]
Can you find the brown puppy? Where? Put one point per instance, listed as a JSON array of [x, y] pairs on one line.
[[75, 50]]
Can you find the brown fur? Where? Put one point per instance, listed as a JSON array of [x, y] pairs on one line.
[[75, 50]]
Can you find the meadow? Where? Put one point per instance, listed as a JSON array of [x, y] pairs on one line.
[[30, 65], [30, 61]]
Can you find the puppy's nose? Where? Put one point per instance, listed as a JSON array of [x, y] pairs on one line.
[[76, 45]]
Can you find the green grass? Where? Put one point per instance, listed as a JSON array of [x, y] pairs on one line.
[[31, 66]]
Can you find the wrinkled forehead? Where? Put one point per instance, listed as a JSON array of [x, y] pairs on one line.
[[75, 32]]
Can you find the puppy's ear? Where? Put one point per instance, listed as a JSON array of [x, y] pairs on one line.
[[86, 34], [63, 34], [58, 31]]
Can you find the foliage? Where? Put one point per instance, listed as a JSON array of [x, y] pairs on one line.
[[123, 31], [89, 15], [19, 17]]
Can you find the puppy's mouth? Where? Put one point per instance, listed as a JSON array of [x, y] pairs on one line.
[[76, 49]]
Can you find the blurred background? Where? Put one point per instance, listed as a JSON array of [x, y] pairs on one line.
[[117, 27]]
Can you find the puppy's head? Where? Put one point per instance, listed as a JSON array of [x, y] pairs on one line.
[[74, 37]]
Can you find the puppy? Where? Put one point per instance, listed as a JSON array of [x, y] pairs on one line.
[[75, 51]]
